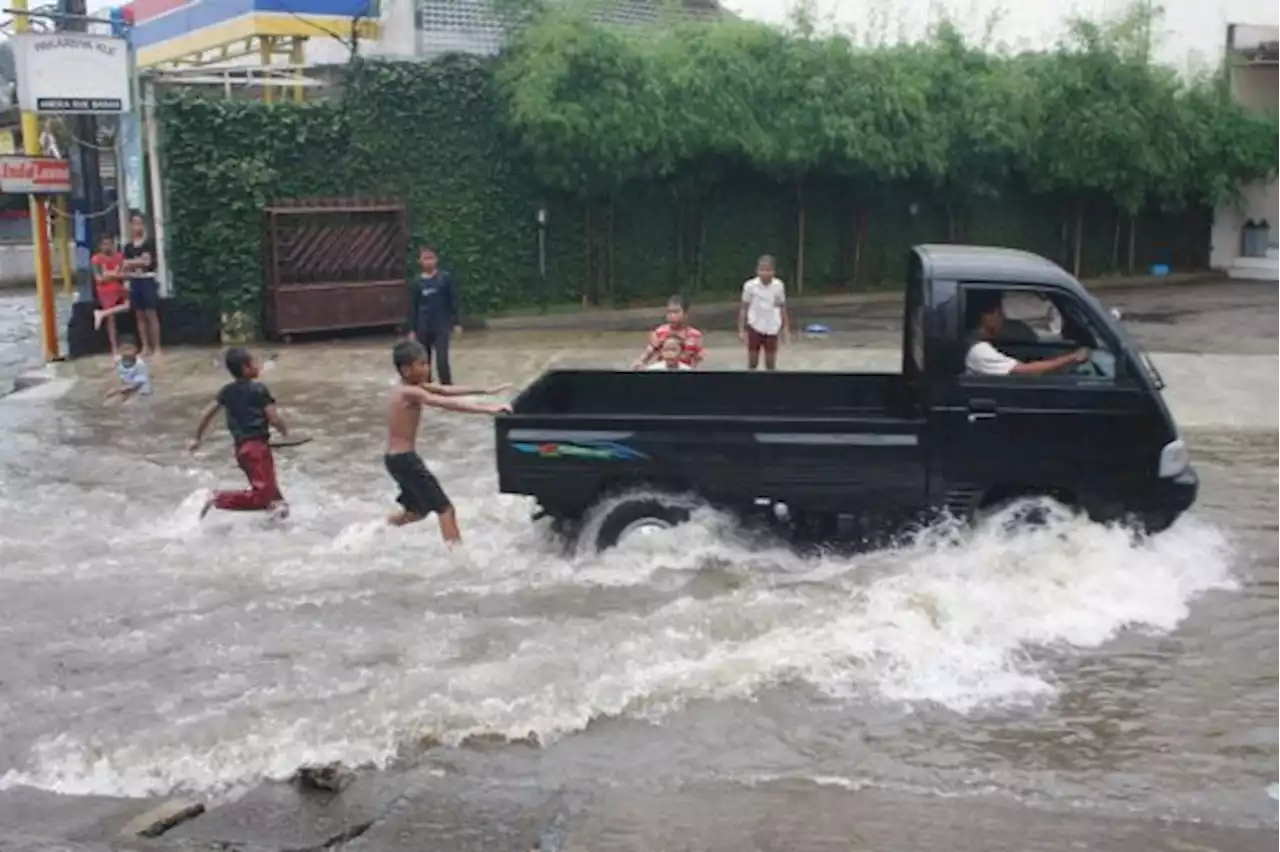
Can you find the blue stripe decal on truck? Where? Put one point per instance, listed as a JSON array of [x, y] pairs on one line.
[[582, 450], [845, 439]]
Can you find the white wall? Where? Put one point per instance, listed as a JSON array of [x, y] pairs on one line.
[[18, 265], [1192, 36], [398, 40], [1258, 202], [1257, 87]]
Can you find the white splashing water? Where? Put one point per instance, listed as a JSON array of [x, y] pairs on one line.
[[349, 644]]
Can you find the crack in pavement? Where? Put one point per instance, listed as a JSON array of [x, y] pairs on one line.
[[347, 834]]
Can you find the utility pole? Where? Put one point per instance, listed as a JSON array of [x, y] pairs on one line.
[[39, 219], [86, 175]]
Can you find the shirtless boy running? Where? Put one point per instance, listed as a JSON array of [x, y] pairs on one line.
[[420, 492]]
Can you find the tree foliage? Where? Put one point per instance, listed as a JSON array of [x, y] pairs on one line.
[[670, 157], [1093, 119]]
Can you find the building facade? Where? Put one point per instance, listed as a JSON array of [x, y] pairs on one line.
[[1252, 66], [422, 29], [172, 34]]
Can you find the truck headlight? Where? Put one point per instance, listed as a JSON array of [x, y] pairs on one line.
[[1174, 459]]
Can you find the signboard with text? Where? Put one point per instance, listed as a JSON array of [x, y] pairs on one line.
[[72, 73], [39, 175]]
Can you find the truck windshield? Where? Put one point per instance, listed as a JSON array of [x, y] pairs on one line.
[[1132, 345], [1103, 315]]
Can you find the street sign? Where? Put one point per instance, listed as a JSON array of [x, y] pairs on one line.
[[72, 73], [39, 175]]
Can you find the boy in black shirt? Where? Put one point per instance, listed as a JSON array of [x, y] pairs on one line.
[[433, 313], [251, 412], [144, 290]]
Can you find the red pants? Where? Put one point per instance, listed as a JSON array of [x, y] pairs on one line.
[[254, 458], [757, 341]]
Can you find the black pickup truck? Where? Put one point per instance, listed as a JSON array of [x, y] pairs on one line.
[[829, 455]]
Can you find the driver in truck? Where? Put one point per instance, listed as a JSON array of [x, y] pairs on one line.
[[986, 312]]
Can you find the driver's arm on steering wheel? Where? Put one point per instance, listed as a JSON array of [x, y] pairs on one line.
[[1050, 365], [984, 359]]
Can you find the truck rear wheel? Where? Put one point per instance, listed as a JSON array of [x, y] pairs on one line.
[[638, 516], [1023, 509]]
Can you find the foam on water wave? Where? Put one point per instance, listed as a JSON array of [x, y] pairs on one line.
[[349, 642]]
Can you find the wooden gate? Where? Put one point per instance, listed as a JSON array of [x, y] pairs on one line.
[[335, 263]]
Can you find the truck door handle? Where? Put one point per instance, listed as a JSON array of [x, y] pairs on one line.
[[982, 409]]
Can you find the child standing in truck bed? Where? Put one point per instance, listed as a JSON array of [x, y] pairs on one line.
[[677, 325], [669, 357]]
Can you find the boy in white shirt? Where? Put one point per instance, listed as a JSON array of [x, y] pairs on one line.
[[132, 374], [669, 356], [762, 318]]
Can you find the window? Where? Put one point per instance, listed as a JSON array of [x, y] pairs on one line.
[[1036, 324], [917, 337], [1029, 315], [914, 340]]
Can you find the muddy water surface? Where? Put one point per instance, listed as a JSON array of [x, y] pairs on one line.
[[1066, 667]]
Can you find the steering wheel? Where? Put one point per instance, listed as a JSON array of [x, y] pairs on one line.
[[1101, 365]]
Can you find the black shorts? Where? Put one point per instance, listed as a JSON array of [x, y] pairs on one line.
[[144, 294], [420, 493]]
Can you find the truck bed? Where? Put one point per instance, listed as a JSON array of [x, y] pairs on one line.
[[568, 393], [812, 440]]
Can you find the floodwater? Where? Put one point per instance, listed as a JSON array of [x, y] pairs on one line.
[[1067, 667], [20, 347]]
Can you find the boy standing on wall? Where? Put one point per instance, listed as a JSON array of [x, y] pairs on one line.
[[110, 287], [762, 317], [144, 290]]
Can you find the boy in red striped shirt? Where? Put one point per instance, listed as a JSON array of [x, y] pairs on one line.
[[677, 325]]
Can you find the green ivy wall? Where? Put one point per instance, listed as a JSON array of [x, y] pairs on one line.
[[433, 134]]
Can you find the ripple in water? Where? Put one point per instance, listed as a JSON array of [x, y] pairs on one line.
[[264, 650]]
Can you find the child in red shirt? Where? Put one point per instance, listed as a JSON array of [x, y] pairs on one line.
[[110, 286], [677, 325]]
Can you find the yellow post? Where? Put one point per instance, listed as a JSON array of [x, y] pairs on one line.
[[39, 221], [64, 246], [296, 59], [266, 44]]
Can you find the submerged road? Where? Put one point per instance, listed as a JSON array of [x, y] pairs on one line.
[[1056, 689]]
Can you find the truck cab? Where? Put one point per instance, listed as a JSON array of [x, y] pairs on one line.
[[1098, 436], [828, 456]]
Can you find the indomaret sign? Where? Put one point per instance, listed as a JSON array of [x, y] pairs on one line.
[[38, 175], [72, 73]]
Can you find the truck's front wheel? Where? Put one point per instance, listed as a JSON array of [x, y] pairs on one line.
[[633, 517]]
